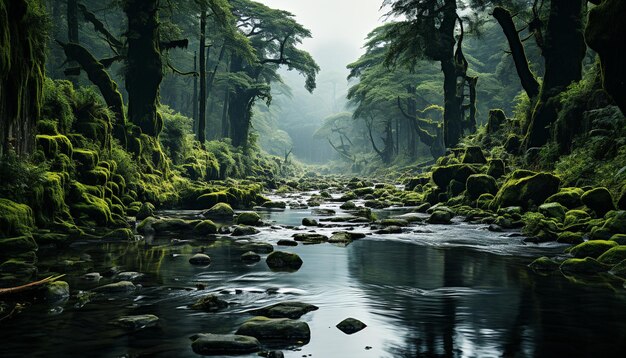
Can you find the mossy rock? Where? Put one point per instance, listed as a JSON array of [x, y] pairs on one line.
[[364, 191], [440, 217], [576, 216], [15, 245], [568, 237], [544, 264], [455, 188], [479, 184], [275, 330], [526, 191], [553, 210], [120, 234], [174, 224], [592, 248], [348, 205], [248, 218], [442, 175], [146, 210], [224, 344], [15, 219], [497, 168], [600, 233], [569, 197], [97, 176], [205, 227], [619, 238], [474, 155], [219, 211], [280, 260], [599, 200], [484, 201], [616, 222], [85, 159], [619, 270], [587, 265], [613, 256], [274, 205], [53, 145], [85, 206], [292, 310], [209, 303]]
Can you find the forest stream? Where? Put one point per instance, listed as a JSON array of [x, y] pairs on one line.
[[432, 290]]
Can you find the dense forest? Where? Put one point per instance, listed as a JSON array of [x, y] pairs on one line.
[[151, 146]]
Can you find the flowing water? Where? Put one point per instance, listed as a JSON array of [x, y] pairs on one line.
[[435, 290]]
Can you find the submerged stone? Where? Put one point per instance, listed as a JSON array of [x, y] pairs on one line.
[[250, 257], [309, 222], [440, 217], [229, 344], [137, 322], [209, 303], [118, 287]]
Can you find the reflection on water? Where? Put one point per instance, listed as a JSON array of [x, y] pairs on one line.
[[442, 291]]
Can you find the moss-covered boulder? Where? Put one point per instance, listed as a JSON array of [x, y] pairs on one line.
[[599, 200], [587, 265], [440, 217], [576, 216], [15, 219], [348, 205], [85, 159], [290, 309], [474, 155], [619, 270], [280, 260], [497, 168], [276, 330], [53, 145], [209, 303], [442, 175], [619, 238], [205, 227], [479, 184], [274, 205], [544, 264], [532, 189], [248, 218], [568, 237], [613, 256], [592, 248], [616, 222], [88, 206], [146, 210], [569, 197], [553, 210], [219, 211]]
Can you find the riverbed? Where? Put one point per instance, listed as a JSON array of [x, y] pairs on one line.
[[455, 290]]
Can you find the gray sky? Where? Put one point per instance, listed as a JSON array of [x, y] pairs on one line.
[[338, 26]]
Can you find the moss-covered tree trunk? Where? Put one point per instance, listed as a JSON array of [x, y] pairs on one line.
[[240, 103], [200, 134], [563, 52], [22, 67], [144, 71]]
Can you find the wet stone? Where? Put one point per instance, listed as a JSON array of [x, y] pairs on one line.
[[276, 330], [118, 287], [244, 231], [230, 344], [279, 260], [250, 257], [137, 322], [209, 303], [350, 325], [287, 243], [200, 259], [293, 310]]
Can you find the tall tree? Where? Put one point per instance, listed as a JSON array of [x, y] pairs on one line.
[[563, 49], [200, 133], [274, 35]]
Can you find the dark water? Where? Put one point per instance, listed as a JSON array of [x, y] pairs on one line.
[[454, 291]]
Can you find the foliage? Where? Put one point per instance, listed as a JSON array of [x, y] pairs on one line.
[[176, 137], [19, 177]]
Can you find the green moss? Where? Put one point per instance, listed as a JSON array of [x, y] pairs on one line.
[[205, 227], [15, 219], [479, 184], [98, 176], [248, 218], [496, 169], [220, 210], [442, 175], [53, 145], [576, 216], [85, 159], [568, 197], [616, 222], [474, 155], [613, 256], [18, 244], [544, 264], [553, 210], [568, 237], [619, 238], [583, 266], [593, 248], [527, 191], [599, 200], [88, 206]]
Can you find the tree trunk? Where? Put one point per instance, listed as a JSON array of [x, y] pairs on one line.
[[225, 122], [200, 134], [471, 82], [239, 113], [452, 114], [527, 78], [72, 33], [144, 71], [195, 98], [563, 52]]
